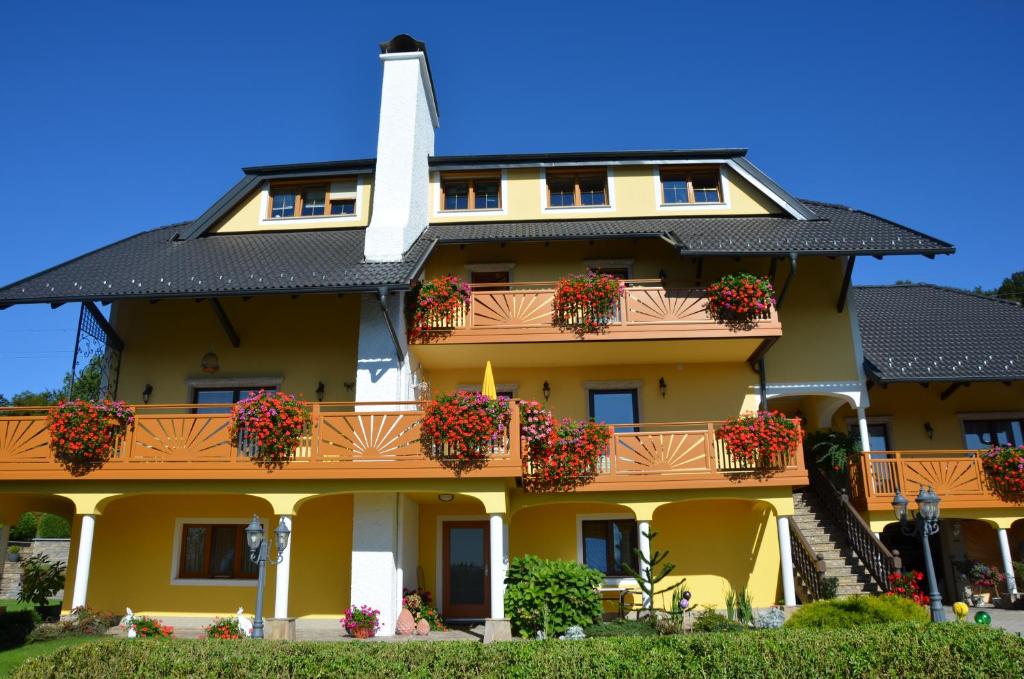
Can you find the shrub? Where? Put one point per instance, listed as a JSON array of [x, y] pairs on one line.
[[856, 611], [551, 595], [892, 651], [621, 628], [709, 620], [83, 621], [40, 580], [53, 526], [224, 628], [26, 527], [15, 628], [829, 587], [151, 628]]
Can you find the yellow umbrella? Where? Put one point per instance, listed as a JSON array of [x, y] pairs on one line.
[[488, 388]]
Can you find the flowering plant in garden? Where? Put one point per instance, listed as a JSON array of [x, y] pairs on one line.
[[150, 628], [586, 303], [1004, 466], [765, 438], [740, 297], [440, 304], [985, 576], [362, 622], [267, 427], [224, 628], [907, 586], [420, 604], [83, 434], [460, 430]]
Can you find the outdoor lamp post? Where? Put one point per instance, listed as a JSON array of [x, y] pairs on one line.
[[259, 553], [925, 523]]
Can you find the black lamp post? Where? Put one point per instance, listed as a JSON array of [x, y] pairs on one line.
[[259, 553], [925, 523]]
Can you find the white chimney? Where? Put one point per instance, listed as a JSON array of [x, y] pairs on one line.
[[405, 141]]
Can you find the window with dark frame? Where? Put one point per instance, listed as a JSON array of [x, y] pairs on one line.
[[685, 186], [494, 280], [223, 395], [577, 189], [311, 200], [215, 551], [461, 192], [985, 433], [609, 544]]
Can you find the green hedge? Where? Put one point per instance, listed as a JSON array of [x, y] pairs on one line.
[[905, 651], [53, 526], [855, 611], [15, 627]]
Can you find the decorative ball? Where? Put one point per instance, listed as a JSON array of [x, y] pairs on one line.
[[960, 608], [982, 618]]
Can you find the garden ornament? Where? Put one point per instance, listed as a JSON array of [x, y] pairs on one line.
[[960, 608], [982, 618], [244, 623]]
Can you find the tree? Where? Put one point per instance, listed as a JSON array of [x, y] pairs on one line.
[[86, 387], [652, 571], [1012, 287]]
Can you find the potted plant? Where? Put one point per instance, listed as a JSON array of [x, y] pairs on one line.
[[586, 303], [84, 434], [14, 553], [41, 579], [461, 430], [362, 622], [740, 298], [440, 306], [569, 458], [764, 439], [1004, 467], [983, 576], [268, 426]]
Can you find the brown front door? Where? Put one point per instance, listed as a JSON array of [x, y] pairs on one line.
[[466, 575]]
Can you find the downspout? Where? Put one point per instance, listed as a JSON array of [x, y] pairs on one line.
[[763, 385], [382, 297], [789, 279]]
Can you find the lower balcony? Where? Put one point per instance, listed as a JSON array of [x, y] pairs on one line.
[[375, 441], [956, 475]]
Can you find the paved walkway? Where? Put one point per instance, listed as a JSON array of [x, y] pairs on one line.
[[1011, 621], [322, 630]]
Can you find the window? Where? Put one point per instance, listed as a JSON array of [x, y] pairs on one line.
[[459, 192], [221, 395], [573, 189], [682, 186], [610, 544], [494, 280], [215, 551], [316, 200], [984, 433], [615, 406], [878, 435]]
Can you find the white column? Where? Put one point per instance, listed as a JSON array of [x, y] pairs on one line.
[[284, 571], [862, 425], [786, 554], [374, 553], [498, 559], [644, 544], [1004, 550], [85, 536]]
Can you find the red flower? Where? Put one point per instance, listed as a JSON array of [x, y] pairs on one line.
[[586, 304]]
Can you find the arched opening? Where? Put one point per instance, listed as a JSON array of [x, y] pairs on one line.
[[30, 525], [816, 411]]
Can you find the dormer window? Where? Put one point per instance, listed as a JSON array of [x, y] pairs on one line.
[[337, 198], [586, 188], [686, 186], [464, 192]]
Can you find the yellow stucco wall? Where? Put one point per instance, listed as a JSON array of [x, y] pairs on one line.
[[906, 408], [246, 216], [305, 340], [634, 192]]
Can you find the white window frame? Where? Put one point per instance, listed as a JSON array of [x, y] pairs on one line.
[[659, 196], [179, 524], [609, 580], [577, 209], [264, 220]]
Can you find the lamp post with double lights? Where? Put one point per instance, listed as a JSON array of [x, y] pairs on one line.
[[259, 554], [924, 524]]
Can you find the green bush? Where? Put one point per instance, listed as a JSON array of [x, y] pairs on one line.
[[15, 628], [26, 528], [53, 526], [621, 628], [83, 621], [710, 621], [858, 610], [551, 595], [880, 651], [40, 580]]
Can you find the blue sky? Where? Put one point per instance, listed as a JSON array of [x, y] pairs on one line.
[[135, 115]]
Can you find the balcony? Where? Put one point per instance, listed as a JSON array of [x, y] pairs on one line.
[[518, 316], [378, 441], [956, 475]]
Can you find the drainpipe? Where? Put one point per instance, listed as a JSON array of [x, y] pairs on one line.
[[382, 297], [789, 279]]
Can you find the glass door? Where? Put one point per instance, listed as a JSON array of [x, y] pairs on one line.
[[465, 562], [615, 406]]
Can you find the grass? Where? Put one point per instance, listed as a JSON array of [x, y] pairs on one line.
[[15, 605], [9, 660]]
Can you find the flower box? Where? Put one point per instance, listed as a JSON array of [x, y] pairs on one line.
[[587, 303]]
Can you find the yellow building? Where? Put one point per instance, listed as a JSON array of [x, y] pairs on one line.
[[303, 276]]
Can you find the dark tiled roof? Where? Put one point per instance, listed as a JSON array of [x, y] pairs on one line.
[[923, 332], [156, 264], [838, 230]]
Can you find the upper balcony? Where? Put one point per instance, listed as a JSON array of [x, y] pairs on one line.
[[956, 475], [373, 441], [657, 318]]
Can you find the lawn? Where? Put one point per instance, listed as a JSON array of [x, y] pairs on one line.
[[14, 605], [9, 660]]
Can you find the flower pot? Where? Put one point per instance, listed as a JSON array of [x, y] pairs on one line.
[[363, 632], [49, 613], [13, 557]]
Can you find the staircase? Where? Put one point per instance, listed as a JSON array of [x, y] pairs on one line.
[[816, 523]]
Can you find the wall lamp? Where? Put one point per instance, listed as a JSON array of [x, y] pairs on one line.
[[147, 391], [929, 430], [547, 390], [662, 387], [320, 391]]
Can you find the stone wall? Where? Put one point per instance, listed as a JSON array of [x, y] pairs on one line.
[[10, 576]]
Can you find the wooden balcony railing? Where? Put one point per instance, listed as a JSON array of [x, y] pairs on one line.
[[374, 440], [522, 312], [956, 475]]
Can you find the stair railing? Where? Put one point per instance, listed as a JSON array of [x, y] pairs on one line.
[[807, 563], [879, 561]]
